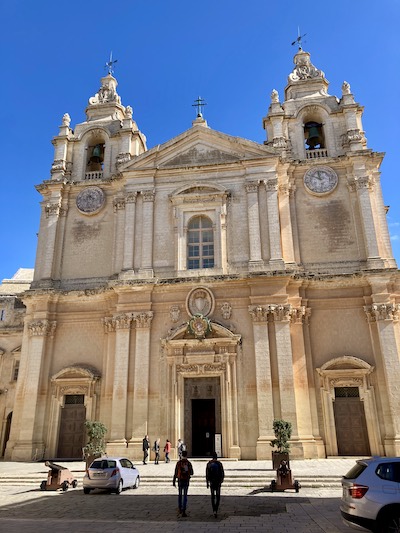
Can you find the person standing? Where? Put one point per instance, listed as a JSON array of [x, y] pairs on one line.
[[167, 449], [183, 473], [181, 448], [215, 476], [146, 446], [156, 451]]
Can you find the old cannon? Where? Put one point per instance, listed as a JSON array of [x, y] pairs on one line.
[[58, 477], [284, 479]]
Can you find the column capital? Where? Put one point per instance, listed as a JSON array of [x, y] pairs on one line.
[[131, 197], [376, 312], [271, 185], [364, 182], [119, 203], [259, 313], [252, 186], [148, 195], [53, 209], [143, 319], [40, 328]]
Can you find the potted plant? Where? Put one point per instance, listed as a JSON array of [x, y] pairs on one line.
[[96, 445], [283, 432]]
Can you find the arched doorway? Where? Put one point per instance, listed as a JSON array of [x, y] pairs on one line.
[[349, 408]]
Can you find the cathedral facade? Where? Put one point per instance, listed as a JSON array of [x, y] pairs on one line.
[[202, 288]]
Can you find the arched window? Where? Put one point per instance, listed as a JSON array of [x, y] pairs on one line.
[[200, 243]]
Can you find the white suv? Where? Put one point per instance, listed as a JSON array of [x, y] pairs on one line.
[[371, 495]]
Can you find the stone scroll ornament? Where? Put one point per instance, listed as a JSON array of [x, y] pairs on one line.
[[90, 200]]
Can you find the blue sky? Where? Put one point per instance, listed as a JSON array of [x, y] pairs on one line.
[[232, 53]]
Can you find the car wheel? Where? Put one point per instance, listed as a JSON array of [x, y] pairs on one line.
[[273, 485], [74, 484], [137, 483], [118, 490], [43, 485], [296, 486], [390, 522], [65, 486], [86, 490]]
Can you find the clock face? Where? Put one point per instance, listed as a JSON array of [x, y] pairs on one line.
[[90, 200], [320, 180]]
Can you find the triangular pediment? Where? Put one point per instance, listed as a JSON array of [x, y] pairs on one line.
[[199, 146]]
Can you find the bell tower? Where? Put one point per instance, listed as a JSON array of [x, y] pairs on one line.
[[333, 176]]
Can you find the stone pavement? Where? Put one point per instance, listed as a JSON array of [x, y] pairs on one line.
[[152, 507]]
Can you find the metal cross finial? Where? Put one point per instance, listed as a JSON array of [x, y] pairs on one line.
[[199, 103], [299, 39], [109, 64]]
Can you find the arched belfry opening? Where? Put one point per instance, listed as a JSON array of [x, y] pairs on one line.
[[314, 135], [202, 387]]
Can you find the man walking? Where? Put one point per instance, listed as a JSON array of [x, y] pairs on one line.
[[215, 476], [146, 446], [183, 473]]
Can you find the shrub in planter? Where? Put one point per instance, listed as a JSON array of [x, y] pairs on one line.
[[96, 445], [283, 432]]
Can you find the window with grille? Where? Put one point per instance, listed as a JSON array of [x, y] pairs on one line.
[[200, 243], [15, 371], [347, 392], [74, 399]]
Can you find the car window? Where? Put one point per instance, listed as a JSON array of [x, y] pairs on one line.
[[354, 472], [389, 471], [126, 463]]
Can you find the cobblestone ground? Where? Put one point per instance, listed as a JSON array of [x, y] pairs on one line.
[[152, 509]]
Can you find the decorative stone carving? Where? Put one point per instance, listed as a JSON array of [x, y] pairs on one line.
[[271, 184], [226, 310], [109, 324], [90, 200], [363, 182], [258, 313], [143, 319], [252, 186], [66, 120], [107, 92], [148, 196], [377, 312], [123, 158], [304, 69], [123, 321], [346, 88], [275, 97], [281, 313], [199, 326], [128, 111], [42, 328], [201, 368], [200, 301], [175, 313], [118, 204], [58, 166], [52, 210], [130, 198], [279, 142]]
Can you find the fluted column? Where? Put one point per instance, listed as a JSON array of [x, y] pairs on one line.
[[363, 186], [129, 241], [253, 215], [274, 225], [28, 441], [140, 413], [147, 230], [265, 406], [386, 319], [122, 325]]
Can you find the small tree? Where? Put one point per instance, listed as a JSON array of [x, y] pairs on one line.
[[283, 432], [96, 445]]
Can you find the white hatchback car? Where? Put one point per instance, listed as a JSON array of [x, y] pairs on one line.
[[371, 495], [112, 474]]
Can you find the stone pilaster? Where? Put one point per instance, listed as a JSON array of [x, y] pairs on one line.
[[274, 226], [129, 241], [140, 412], [265, 405], [253, 215], [363, 186], [146, 268], [119, 210], [29, 442], [385, 317], [285, 192], [117, 437]]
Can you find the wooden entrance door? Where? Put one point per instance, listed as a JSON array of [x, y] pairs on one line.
[[203, 427], [71, 438], [351, 427]]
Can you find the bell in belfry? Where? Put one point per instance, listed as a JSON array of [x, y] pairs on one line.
[[313, 135], [96, 158]]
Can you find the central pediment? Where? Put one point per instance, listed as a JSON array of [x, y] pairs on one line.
[[201, 155]]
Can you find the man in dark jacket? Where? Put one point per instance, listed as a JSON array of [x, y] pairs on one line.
[[215, 476], [146, 446], [183, 473]]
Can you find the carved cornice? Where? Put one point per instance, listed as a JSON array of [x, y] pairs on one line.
[[205, 368], [40, 328], [377, 312]]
